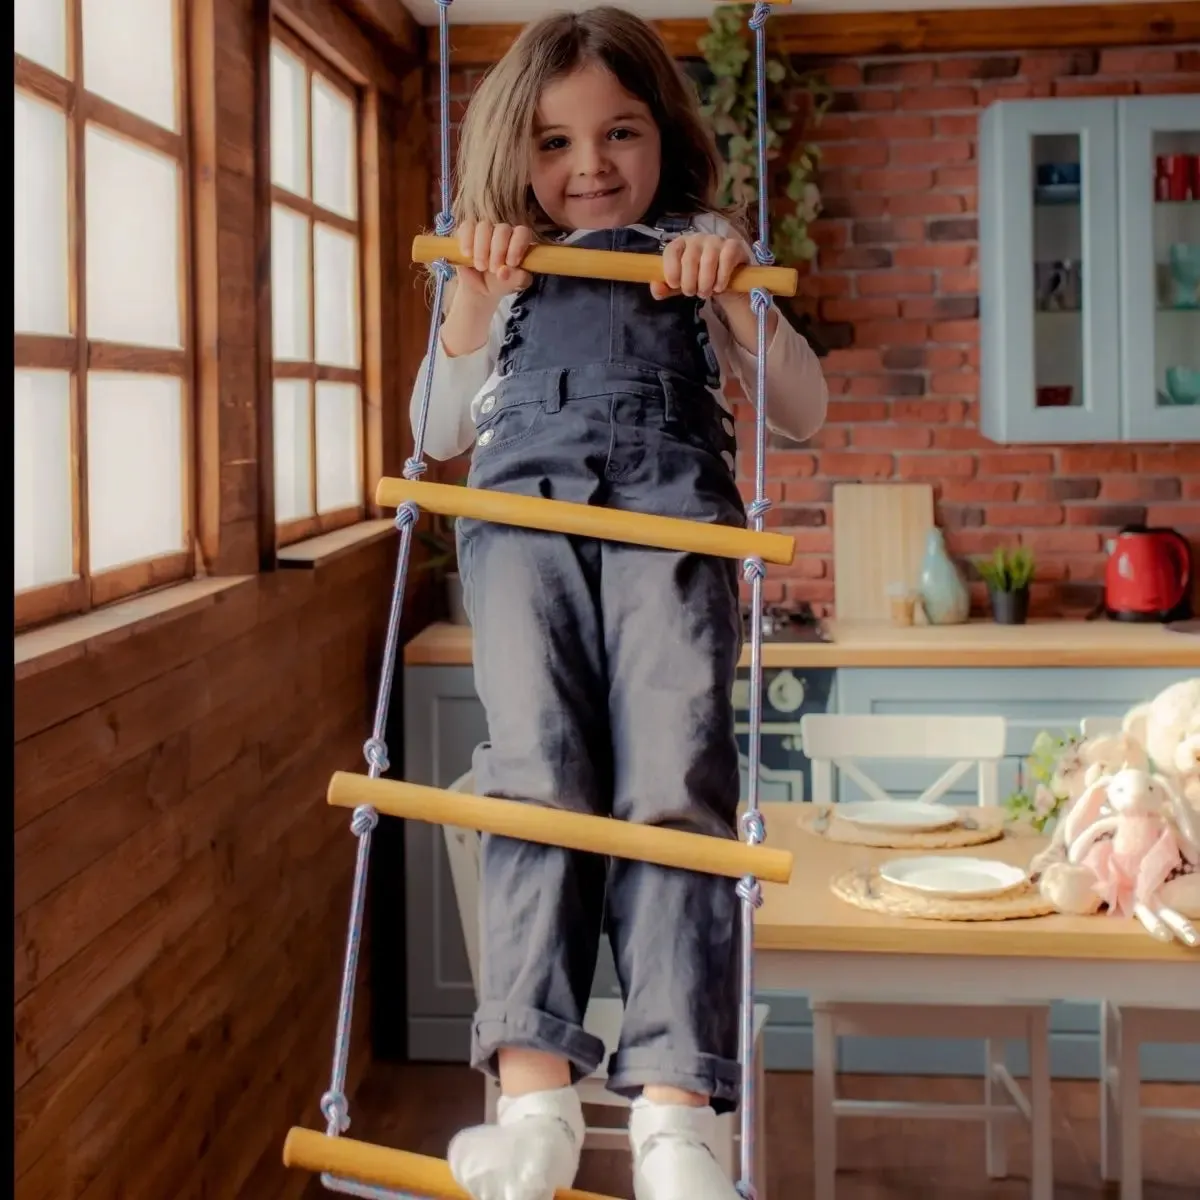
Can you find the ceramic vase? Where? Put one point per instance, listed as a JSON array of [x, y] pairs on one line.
[[944, 595]]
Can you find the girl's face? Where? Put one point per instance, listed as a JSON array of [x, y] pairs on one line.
[[597, 153]]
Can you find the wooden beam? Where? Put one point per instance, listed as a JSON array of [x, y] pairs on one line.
[[836, 35], [394, 21], [333, 33]]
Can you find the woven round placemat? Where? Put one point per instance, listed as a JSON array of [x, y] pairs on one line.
[[864, 889], [973, 829]]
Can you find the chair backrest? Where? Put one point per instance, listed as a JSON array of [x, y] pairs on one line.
[[1091, 727], [835, 740], [463, 851]]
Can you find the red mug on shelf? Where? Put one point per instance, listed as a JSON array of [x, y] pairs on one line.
[[1054, 397], [1176, 177]]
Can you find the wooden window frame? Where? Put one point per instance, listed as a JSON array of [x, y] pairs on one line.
[[76, 353], [315, 63]]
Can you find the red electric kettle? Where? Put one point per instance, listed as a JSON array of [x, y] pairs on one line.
[[1148, 576]]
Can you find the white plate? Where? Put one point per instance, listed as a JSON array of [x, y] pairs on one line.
[[897, 814], [951, 875]]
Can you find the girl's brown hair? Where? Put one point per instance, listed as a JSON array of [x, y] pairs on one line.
[[497, 132]]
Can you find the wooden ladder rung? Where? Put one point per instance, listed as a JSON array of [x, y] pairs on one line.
[[380, 1166], [618, 266], [587, 520], [557, 827]]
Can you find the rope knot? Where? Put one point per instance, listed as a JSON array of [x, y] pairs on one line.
[[414, 468], [443, 223], [763, 254], [336, 1111], [746, 1190], [749, 890], [753, 569], [758, 18], [444, 3], [760, 301], [376, 753], [758, 508], [443, 270], [754, 827], [364, 820], [406, 515]]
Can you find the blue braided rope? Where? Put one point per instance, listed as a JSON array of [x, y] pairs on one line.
[[334, 1105], [749, 890]]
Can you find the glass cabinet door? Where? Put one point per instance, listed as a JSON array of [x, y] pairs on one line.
[[1048, 308], [1159, 174]]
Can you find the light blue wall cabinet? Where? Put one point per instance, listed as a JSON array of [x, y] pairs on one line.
[[1089, 232]]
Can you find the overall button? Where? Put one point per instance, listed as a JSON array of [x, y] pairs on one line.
[[727, 425], [489, 402], [486, 436]]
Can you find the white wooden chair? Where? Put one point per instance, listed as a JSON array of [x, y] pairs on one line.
[[967, 742], [1124, 1029], [602, 1020]]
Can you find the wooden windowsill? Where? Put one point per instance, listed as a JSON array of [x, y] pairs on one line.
[[317, 551], [51, 646]]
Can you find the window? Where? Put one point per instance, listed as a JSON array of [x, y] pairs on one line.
[[316, 294], [102, 344]]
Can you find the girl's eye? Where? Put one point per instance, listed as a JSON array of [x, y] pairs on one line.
[[554, 143], [620, 135]]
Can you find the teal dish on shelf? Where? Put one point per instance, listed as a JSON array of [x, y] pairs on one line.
[[1183, 386], [1185, 275]]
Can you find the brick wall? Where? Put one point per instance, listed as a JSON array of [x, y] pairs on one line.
[[896, 283]]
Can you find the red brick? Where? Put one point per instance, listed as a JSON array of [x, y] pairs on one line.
[[895, 384], [857, 258], [814, 592], [1123, 60], [936, 466], [1050, 64], [854, 154], [1180, 460], [843, 465], [1022, 516], [967, 438], [895, 283], [1133, 487], [955, 331], [825, 284], [898, 70], [790, 463], [1094, 460], [842, 74], [813, 541], [960, 383], [805, 567], [956, 177], [829, 437], [943, 357], [859, 310], [1062, 541], [1088, 570], [1016, 462], [938, 99], [995, 67], [891, 437], [853, 359], [932, 412], [875, 101], [887, 231], [852, 204], [926, 203], [1191, 489], [942, 151], [990, 92], [958, 125], [807, 491], [979, 491], [1095, 87], [946, 254], [962, 542], [853, 412], [891, 179], [891, 333], [1170, 86], [1107, 515], [831, 235], [1182, 516], [887, 128], [958, 280]]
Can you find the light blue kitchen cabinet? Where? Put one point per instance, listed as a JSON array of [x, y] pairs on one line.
[[1082, 312]]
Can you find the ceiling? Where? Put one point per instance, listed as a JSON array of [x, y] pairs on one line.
[[486, 12]]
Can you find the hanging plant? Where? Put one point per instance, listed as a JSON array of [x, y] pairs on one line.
[[729, 97]]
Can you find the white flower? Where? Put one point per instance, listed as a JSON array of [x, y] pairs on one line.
[[1044, 801]]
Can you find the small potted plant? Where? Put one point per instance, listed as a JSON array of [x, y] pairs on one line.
[[1008, 574], [439, 541]]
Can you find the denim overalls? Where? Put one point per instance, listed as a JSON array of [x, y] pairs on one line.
[[606, 672]]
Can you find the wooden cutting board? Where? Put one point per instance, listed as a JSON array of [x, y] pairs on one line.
[[879, 532]]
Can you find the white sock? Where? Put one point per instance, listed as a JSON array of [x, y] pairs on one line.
[[672, 1153], [531, 1152]]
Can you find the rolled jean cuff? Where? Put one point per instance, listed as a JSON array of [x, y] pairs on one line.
[[497, 1028], [629, 1071]]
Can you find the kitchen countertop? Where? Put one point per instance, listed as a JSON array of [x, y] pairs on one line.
[[977, 644]]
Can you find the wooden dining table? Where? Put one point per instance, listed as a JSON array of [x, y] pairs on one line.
[[808, 940]]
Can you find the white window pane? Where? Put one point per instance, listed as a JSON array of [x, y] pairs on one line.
[[40, 239], [334, 137], [339, 460], [289, 122], [132, 207], [135, 467], [129, 56], [293, 450], [40, 32], [289, 284], [42, 478], [335, 278]]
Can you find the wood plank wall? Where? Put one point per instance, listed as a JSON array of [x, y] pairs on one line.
[[181, 887]]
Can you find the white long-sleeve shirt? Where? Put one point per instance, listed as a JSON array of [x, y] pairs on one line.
[[797, 395]]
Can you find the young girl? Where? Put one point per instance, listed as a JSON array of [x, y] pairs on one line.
[[606, 670]]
